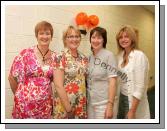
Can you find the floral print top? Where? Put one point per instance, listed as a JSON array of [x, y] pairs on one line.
[[33, 97], [74, 83]]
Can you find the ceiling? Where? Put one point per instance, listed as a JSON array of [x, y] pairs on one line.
[[151, 8]]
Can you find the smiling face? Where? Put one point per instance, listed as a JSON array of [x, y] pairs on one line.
[[127, 38], [44, 33], [44, 37], [125, 41], [96, 41], [72, 40]]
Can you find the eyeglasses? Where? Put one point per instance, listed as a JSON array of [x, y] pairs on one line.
[[72, 37]]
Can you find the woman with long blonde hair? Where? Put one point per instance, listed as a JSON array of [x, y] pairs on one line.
[[133, 102]]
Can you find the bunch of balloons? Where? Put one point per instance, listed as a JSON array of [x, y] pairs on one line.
[[87, 21]]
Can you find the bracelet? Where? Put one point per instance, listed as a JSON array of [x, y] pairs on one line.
[[110, 102], [110, 105], [133, 110]]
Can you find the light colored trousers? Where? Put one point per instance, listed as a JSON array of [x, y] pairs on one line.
[[96, 111]]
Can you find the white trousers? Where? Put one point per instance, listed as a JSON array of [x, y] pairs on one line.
[[96, 111]]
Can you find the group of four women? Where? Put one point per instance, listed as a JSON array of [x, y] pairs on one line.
[[84, 87]]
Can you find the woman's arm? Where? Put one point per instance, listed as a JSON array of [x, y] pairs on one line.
[[132, 110], [58, 79], [111, 97], [140, 81], [17, 71], [13, 83]]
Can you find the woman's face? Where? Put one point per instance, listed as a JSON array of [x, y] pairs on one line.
[[44, 37], [96, 41], [72, 40], [125, 41]]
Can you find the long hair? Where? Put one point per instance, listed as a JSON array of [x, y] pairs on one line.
[[133, 35]]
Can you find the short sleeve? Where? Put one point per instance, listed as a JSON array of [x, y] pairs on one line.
[[112, 66], [60, 61], [18, 69], [53, 59]]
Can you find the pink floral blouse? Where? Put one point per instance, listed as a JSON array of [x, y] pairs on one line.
[[33, 97]]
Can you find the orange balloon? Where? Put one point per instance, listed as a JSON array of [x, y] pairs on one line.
[[88, 24], [93, 20], [81, 18]]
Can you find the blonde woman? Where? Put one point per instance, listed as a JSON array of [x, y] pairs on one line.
[[70, 90], [133, 102]]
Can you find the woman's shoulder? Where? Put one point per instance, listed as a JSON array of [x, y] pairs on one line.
[[53, 54], [64, 52], [62, 55], [27, 50], [82, 54], [138, 53], [108, 53], [140, 57], [53, 51]]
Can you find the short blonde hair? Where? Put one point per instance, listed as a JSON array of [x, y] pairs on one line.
[[43, 25], [68, 31], [133, 35]]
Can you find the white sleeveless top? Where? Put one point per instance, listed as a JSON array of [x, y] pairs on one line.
[[123, 83]]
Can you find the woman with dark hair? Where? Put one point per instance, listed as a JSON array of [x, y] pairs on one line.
[[101, 80]]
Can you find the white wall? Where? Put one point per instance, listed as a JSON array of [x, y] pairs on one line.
[[21, 20]]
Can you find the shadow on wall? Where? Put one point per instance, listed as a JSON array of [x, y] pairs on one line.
[[151, 100]]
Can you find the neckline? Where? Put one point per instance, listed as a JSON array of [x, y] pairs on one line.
[[98, 53], [75, 56], [37, 61], [69, 52], [43, 55]]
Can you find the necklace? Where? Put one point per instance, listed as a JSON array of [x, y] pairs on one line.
[[42, 54], [75, 56]]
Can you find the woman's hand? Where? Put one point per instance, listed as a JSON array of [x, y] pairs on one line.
[[132, 110], [71, 114], [13, 83], [131, 114], [109, 111]]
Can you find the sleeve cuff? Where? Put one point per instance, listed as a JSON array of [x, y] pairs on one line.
[[137, 95], [112, 76]]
